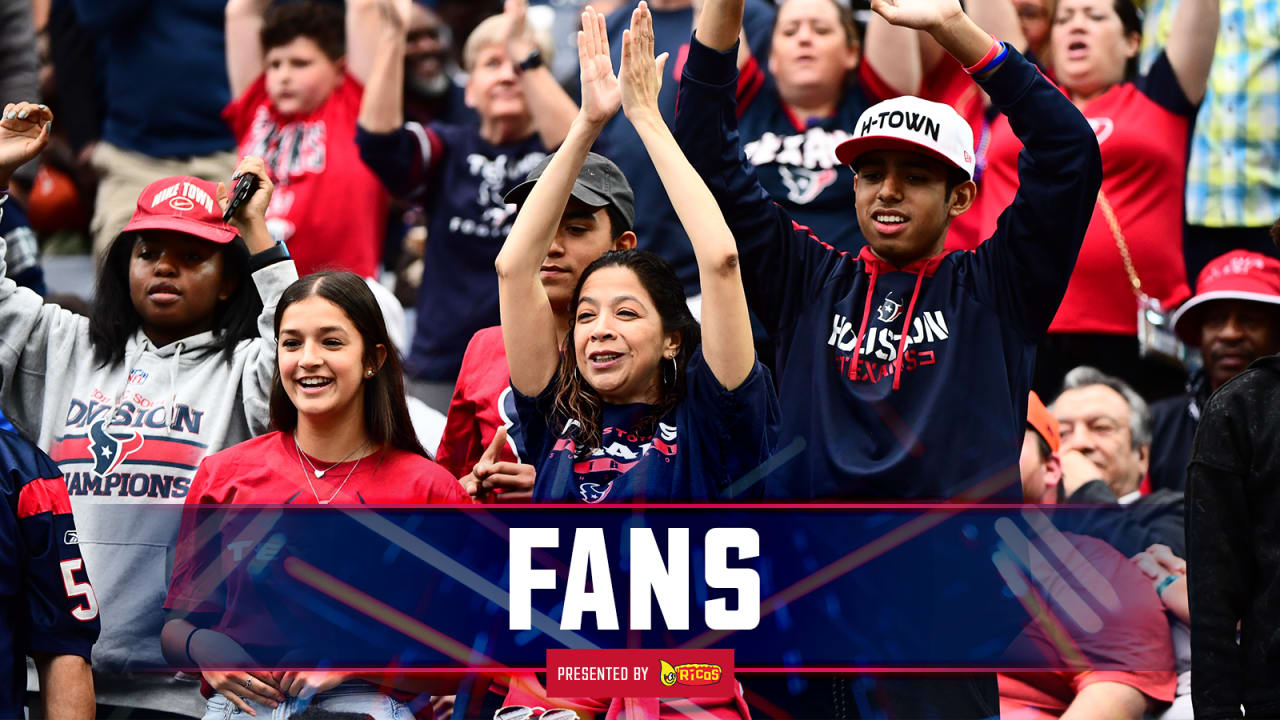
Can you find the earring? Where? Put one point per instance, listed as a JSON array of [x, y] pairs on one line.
[[675, 372], [368, 373]]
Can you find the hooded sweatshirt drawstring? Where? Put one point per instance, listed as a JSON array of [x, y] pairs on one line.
[[128, 370], [173, 384], [874, 264], [906, 330], [866, 315]]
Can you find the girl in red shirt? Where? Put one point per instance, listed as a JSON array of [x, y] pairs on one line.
[[343, 436]]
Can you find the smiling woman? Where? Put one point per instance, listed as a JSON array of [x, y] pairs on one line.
[[342, 436], [637, 402]]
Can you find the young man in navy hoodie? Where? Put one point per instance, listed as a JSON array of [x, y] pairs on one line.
[[903, 372]]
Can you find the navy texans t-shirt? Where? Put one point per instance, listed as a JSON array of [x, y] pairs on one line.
[[796, 162], [698, 451]]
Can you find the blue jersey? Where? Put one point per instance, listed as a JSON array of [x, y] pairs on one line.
[[697, 452], [47, 605], [796, 162], [904, 382], [460, 179]]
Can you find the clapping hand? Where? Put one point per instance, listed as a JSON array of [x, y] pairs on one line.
[[601, 93], [24, 133], [641, 72]]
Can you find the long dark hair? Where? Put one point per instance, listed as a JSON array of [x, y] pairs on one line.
[[575, 399], [386, 416], [114, 318], [1131, 21]]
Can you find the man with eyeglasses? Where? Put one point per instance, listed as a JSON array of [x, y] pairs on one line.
[[1105, 450]]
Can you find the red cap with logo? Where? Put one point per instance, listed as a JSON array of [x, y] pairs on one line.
[[183, 204], [1237, 275]]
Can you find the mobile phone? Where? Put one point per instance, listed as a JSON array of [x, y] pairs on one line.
[[246, 186]]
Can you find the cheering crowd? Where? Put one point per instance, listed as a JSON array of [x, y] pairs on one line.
[[1021, 251]]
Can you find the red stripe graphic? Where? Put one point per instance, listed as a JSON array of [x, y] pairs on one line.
[[153, 450]]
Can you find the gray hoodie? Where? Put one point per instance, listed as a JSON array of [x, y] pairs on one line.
[[173, 405]]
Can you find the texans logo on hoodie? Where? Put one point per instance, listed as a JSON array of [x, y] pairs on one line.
[[110, 450]]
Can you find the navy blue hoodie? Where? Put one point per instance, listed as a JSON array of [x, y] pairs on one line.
[[867, 413]]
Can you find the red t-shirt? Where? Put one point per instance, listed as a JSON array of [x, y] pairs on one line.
[[327, 207], [268, 471], [949, 84], [476, 410], [1128, 642], [1143, 138]]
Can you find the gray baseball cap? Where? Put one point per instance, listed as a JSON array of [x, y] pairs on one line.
[[600, 184]]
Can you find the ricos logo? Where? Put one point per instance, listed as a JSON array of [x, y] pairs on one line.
[[689, 673]]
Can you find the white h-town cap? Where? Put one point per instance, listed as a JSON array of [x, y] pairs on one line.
[[915, 125]]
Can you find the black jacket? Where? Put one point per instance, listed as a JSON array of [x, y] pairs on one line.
[[1173, 428], [1233, 537], [1132, 528]]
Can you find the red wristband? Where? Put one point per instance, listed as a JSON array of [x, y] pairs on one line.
[[977, 67]]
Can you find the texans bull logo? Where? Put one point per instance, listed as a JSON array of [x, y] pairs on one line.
[[804, 186], [111, 450], [889, 310], [594, 492]]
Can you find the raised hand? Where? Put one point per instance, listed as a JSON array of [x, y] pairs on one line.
[[641, 72], [517, 40], [24, 133], [395, 14], [918, 14], [251, 219], [601, 93]]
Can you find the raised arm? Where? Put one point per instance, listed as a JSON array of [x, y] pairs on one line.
[[1191, 43], [552, 109], [528, 322], [955, 31], [727, 344], [719, 24], [365, 27], [893, 53], [272, 274], [244, 42], [1000, 18], [382, 105]]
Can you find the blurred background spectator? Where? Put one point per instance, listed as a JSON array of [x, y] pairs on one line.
[[1233, 173], [1132, 246], [792, 117], [165, 85], [459, 173], [657, 228]]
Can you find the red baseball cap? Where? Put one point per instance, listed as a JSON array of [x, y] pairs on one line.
[[1237, 275], [183, 204], [1043, 421]]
